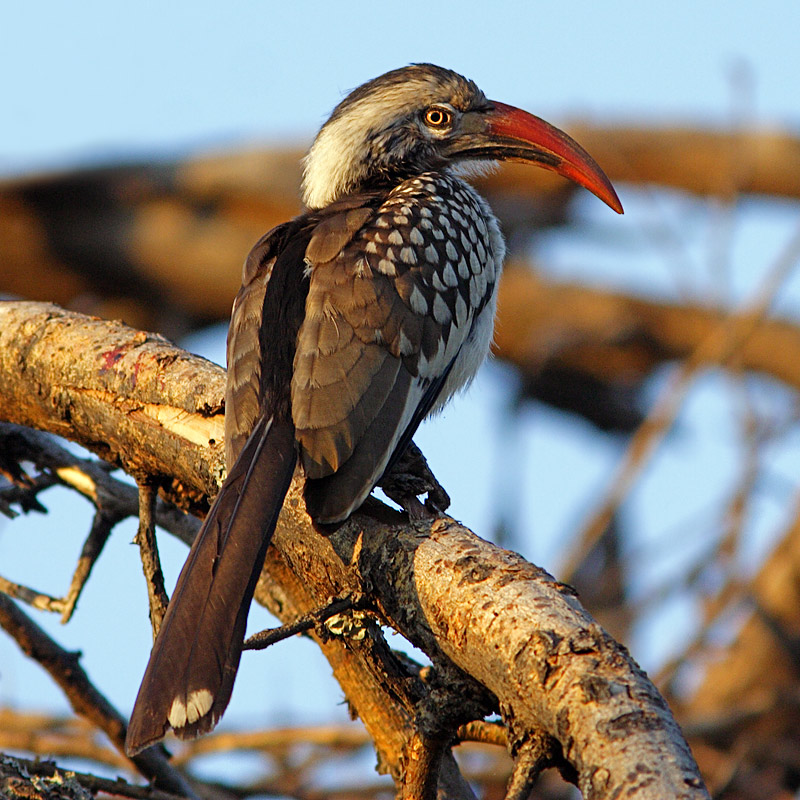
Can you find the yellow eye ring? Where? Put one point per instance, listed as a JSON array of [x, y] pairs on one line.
[[438, 117]]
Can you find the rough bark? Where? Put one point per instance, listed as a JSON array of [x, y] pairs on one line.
[[501, 634]]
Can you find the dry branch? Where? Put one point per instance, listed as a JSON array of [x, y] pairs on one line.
[[723, 345], [22, 779], [113, 500], [148, 550], [85, 699], [707, 162], [69, 737], [89, 477], [501, 634]]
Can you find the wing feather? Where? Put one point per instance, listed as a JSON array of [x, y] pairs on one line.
[[370, 363]]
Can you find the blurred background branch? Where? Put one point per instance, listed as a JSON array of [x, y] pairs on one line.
[[698, 564]]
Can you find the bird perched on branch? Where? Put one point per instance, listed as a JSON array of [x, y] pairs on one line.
[[355, 321]]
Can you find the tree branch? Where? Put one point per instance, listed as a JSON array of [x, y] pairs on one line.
[[502, 634], [620, 338], [18, 782], [148, 549], [112, 499]]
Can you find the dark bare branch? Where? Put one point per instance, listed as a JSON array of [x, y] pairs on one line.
[[266, 638], [113, 500], [64, 668], [148, 549], [103, 523], [91, 478], [16, 783]]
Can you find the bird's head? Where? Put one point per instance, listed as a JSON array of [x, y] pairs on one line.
[[423, 117]]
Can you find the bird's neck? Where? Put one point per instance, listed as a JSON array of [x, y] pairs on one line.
[[330, 187], [345, 159]]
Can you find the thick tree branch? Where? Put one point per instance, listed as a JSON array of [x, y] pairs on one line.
[[500, 633], [97, 384]]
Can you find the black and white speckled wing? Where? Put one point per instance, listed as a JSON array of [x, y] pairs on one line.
[[381, 345]]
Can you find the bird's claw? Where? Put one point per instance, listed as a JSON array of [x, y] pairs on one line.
[[410, 477]]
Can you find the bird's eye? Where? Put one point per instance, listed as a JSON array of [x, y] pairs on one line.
[[438, 117]]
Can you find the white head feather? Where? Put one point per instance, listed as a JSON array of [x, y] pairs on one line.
[[375, 127]]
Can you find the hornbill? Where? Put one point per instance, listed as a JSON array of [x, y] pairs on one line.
[[354, 322]]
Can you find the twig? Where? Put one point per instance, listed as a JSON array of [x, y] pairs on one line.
[[103, 523], [38, 600], [25, 495], [483, 732], [335, 737], [113, 499], [148, 549], [533, 756], [264, 639]]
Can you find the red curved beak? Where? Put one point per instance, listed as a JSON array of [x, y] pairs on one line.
[[520, 136]]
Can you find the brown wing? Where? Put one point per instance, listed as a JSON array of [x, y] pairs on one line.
[[267, 314], [242, 402]]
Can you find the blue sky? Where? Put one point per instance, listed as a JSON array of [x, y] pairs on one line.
[[103, 77], [86, 81]]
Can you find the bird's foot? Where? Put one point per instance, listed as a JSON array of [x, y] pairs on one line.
[[410, 477]]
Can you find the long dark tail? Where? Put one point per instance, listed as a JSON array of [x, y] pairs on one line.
[[189, 679]]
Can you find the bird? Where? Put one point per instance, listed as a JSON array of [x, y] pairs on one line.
[[355, 321]]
